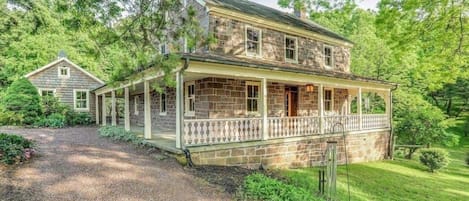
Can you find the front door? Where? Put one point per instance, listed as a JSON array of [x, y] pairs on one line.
[[291, 101]]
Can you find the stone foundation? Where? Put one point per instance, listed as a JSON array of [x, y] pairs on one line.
[[295, 152]]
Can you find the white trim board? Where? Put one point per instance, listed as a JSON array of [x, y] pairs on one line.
[[68, 61]]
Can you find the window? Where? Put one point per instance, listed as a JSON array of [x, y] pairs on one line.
[[163, 103], [81, 100], [189, 91], [291, 49], [64, 72], [253, 41], [47, 92], [136, 105], [328, 100], [252, 97], [328, 57]]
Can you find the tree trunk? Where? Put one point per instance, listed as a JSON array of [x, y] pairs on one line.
[[411, 152]]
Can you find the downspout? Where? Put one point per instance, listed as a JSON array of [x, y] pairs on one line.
[[391, 135], [186, 151]]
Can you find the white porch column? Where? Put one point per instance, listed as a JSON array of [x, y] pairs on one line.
[[96, 110], [147, 110], [103, 107], [389, 107], [321, 108], [126, 109], [179, 109], [265, 128], [359, 108], [113, 108]]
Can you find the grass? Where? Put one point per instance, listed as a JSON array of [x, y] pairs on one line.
[[399, 179]]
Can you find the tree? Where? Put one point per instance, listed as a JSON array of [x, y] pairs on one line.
[[23, 98], [417, 122]]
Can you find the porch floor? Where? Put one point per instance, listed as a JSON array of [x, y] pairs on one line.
[[161, 139]]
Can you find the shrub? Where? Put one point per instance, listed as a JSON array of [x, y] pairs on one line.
[[434, 158], [78, 118], [119, 134], [260, 187], [22, 98], [55, 120], [10, 118], [14, 148], [51, 105]]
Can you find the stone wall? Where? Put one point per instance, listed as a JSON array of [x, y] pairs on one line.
[[230, 34], [295, 152]]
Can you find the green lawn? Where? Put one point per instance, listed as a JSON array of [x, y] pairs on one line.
[[396, 180]]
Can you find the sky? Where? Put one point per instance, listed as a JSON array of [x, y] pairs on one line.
[[365, 4]]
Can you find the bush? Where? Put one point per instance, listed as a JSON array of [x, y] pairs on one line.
[[78, 118], [260, 187], [434, 158], [10, 118], [119, 134], [14, 148], [51, 105], [23, 99], [55, 120]]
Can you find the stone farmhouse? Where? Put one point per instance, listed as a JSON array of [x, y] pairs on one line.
[[271, 92]]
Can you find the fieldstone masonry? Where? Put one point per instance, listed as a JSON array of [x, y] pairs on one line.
[[295, 152]]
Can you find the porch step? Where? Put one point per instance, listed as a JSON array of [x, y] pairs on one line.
[[165, 145]]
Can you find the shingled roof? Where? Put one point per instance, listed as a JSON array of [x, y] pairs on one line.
[[255, 9]]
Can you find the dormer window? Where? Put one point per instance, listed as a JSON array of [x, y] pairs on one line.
[[291, 49], [253, 41], [328, 57], [64, 72]]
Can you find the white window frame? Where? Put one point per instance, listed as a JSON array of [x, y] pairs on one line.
[[47, 89], [163, 113], [60, 72], [258, 84], [294, 60], [246, 42], [331, 101], [324, 56], [136, 101], [187, 98], [87, 100]]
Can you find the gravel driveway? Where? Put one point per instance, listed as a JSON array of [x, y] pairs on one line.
[[75, 164]]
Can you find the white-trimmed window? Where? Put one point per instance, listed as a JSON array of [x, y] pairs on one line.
[[163, 102], [136, 100], [81, 100], [189, 98], [328, 56], [291, 49], [252, 97], [47, 92], [64, 72], [328, 99], [253, 41]]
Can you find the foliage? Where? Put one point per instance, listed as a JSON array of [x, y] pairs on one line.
[[23, 99], [453, 98], [434, 158], [260, 187], [78, 118], [51, 105], [120, 134], [14, 148], [467, 158], [55, 120], [417, 122], [10, 118]]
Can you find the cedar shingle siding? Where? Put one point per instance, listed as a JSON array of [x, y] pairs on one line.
[[49, 79]]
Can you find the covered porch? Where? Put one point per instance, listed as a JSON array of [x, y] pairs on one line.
[[221, 104]]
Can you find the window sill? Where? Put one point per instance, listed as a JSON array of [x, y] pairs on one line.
[[162, 113], [189, 114], [82, 109], [291, 61]]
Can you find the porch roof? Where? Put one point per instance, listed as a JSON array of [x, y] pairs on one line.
[[218, 59]]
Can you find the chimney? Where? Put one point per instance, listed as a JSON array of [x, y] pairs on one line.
[[62, 54], [300, 13]]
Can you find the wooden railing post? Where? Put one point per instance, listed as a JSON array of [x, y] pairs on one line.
[[126, 109], [147, 109], [179, 109], [113, 108], [359, 106], [103, 108], [321, 108], [265, 129]]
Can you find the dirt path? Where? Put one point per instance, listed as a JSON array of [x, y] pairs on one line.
[[75, 164]]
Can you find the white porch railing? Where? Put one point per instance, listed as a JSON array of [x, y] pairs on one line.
[[219, 131], [374, 121], [280, 127]]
